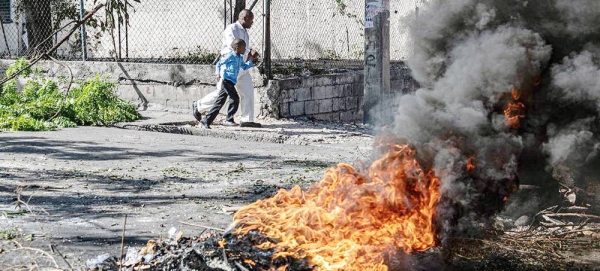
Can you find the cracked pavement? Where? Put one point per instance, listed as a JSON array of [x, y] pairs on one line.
[[77, 185]]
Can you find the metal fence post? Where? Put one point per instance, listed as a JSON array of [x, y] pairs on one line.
[[267, 53], [83, 35], [126, 31], [224, 14], [4, 34], [231, 10], [239, 6]]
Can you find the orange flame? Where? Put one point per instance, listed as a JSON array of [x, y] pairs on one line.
[[470, 164], [514, 111], [250, 262], [348, 221]]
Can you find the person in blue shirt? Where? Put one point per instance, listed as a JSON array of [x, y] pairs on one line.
[[232, 64]]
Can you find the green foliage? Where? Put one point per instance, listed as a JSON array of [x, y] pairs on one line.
[[95, 103], [20, 64], [40, 105], [8, 234]]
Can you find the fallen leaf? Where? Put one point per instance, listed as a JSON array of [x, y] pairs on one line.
[[150, 248], [179, 235]]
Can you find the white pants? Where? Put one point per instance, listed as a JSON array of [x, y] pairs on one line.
[[245, 89]]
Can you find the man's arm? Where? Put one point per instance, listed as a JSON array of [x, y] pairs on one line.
[[253, 55], [247, 65]]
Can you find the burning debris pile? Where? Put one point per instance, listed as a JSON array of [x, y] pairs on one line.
[[349, 220]]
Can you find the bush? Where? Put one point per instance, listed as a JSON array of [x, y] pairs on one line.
[[35, 106]]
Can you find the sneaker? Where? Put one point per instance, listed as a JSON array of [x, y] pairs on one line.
[[229, 123], [195, 112], [204, 123], [250, 124]]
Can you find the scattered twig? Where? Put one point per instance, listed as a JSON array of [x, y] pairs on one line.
[[19, 202], [464, 257], [550, 209], [225, 256], [123, 239], [55, 250], [240, 266], [575, 208], [562, 234], [529, 247], [573, 215], [20, 247], [232, 209], [201, 226]]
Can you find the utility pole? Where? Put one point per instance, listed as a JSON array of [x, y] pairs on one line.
[[377, 57]]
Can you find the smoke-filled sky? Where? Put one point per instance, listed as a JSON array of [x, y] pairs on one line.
[[469, 55]]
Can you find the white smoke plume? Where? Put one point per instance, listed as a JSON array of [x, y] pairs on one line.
[[474, 58]]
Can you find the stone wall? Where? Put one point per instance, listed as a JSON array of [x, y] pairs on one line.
[[333, 97]]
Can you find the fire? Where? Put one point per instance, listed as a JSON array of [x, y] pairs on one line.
[[470, 164], [250, 262], [348, 221], [514, 111]]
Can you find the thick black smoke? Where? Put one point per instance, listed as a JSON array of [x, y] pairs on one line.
[[469, 56]]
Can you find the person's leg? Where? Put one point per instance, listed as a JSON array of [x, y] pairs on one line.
[[205, 103], [214, 111], [246, 90], [234, 100]]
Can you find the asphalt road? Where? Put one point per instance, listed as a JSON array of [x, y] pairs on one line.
[[77, 185]]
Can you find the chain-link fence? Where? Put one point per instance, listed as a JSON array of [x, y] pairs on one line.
[[304, 34], [330, 33], [183, 31]]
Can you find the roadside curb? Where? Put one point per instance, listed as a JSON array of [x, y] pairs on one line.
[[188, 128]]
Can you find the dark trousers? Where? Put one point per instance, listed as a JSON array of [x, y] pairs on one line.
[[227, 89]]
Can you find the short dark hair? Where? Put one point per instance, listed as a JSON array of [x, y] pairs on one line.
[[245, 13], [237, 42]]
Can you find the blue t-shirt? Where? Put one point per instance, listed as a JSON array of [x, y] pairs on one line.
[[233, 62]]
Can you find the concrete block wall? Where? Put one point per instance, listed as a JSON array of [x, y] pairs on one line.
[[333, 97]]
